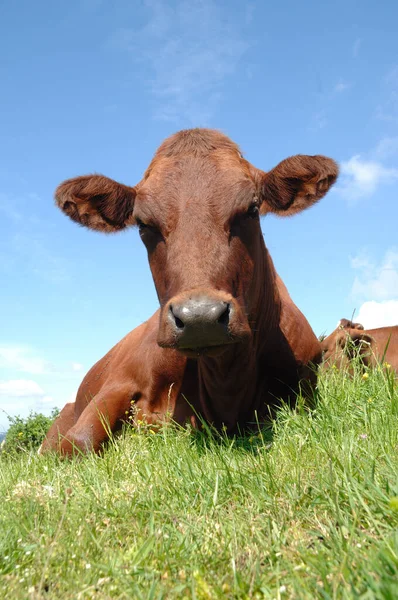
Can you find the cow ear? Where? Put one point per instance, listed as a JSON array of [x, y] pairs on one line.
[[297, 183], [97, 202], [346, 324]]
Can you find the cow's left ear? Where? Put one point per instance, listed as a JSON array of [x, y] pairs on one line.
[[97, 202], [296, 184]]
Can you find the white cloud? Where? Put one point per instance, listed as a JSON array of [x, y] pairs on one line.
[[320, 119], [360, 178], [20, 397], [26, 360], [356, 47], [378, 314], [48, 400], [388, 109], [188, 49], [25, 244], [32, 251], [341, 86], [7, 208], [376, 281], [387, 147], [23, 359], [20, 388]]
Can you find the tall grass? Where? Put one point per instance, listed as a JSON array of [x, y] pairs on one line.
[[307, 510]]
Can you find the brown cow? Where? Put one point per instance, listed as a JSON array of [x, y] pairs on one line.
[[372, 345], [227, 342]]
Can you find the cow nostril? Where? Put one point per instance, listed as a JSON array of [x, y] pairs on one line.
[[224, 318], [179, 323]]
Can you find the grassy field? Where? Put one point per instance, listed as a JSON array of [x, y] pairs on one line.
[[309, 510]]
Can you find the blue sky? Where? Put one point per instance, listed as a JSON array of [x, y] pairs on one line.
[[95, 86]]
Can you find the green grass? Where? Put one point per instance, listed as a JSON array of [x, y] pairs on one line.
[[309, 510]]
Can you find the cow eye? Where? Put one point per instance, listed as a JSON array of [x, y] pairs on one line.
[[145, 227], [149, 234], [253, 211]]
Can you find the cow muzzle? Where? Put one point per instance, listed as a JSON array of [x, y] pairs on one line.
[[200, 323]]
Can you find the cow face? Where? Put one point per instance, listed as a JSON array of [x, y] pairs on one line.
[[343, 345], [198, 212]]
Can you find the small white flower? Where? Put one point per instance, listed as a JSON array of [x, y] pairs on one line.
[[49, 489], [88, 566]]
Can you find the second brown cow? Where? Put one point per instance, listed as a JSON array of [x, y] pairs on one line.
[[371, 345]]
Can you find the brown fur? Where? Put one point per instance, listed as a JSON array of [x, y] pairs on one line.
[[346, 324], [197, 207]]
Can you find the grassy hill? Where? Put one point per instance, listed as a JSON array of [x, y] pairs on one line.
[[309, 510]]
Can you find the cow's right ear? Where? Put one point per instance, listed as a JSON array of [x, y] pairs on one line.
[[346, 324], [97, 202]]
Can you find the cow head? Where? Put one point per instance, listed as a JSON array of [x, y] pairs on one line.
[[198, 212], [343, 345]]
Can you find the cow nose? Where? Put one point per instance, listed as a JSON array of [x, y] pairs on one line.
[[199, 322], [200, 313]]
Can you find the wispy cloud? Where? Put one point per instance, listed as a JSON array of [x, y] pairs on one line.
[[388, 110], [327, 99], [21, 396], [376, 281], [8, 210], [319, 119], [387, 147], [189, 49], [23, 359], [392, 76], [32, 251], [20, 388], [341, 86], [356, 47], [28, 382], [24, 244], [361, 177]]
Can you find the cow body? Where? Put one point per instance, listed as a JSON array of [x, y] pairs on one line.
[[372, 345], [227, 343]]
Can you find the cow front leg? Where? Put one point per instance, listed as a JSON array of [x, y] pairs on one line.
[[98, 420], [59, 428]]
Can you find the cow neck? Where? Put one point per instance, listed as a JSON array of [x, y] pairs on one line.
[[228, 383]]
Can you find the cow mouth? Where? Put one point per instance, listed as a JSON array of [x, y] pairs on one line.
[[204, 351]]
